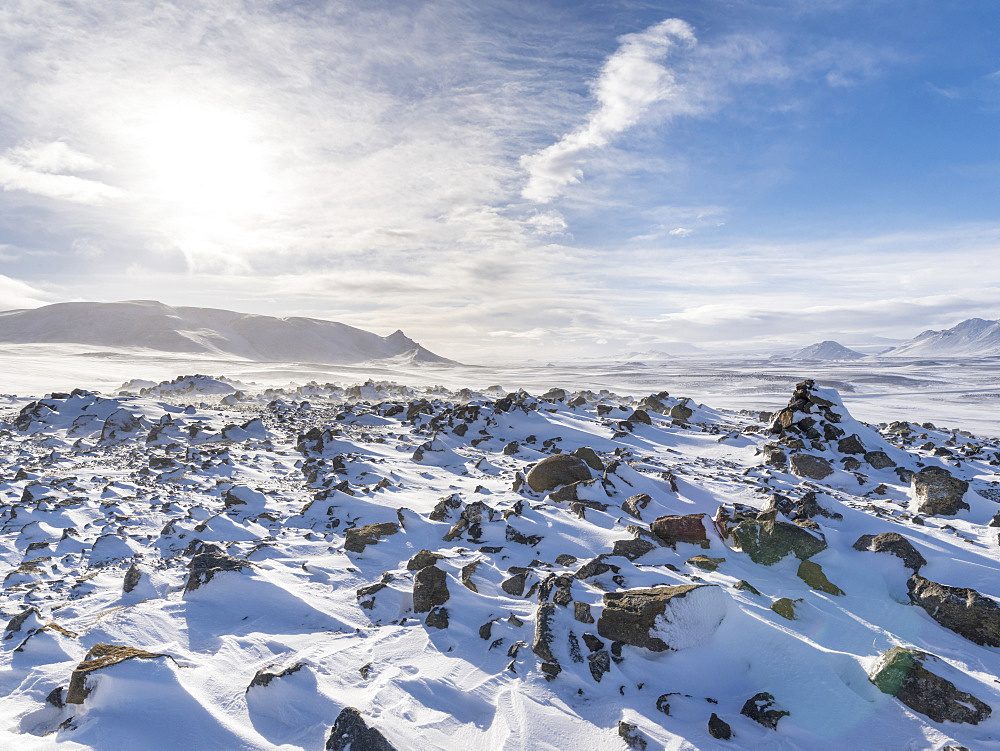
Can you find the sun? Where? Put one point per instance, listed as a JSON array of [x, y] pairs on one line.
[[205, 163]]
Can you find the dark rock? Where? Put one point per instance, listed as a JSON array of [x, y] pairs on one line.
[[101, 656], [630, 616], [351, 733], [774, 456], [960, 609], [205, 566], [673, 529], [767, 540], [595, 567], [600, 663], [511, 448], [681, 412], [632, 548], [514, 585], [438, 618], [430, 589], [565, 559], [640, 416], [895, 543], [851, 445], [556, 470], [785, 608], [807, 465], [132, 578], [444, 506], [746, 586], [423, 559], [705, 563], [902, 673], [581, 611], [542, 645], [938, 492], [636, 503], [812, 574], [759, 709], [590, 457], [879, 460], [264, 676], [719, 728], [357, 539], [630, 734]]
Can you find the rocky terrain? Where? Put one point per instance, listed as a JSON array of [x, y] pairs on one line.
[[201, 564]]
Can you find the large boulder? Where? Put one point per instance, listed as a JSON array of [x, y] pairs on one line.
[[662, 618], [673, 529], [357, 539], [205, 566], [961, 609], [767, 540], [894, 543], [101, 656], [938, 492], [812, 467], [430, 589], [902, 673], [556, 470], [351, 733]]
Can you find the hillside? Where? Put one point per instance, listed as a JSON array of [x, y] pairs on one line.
[[206, 331], [828, 350], [972, 338]]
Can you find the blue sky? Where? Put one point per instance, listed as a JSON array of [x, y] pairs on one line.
[[511, 179]]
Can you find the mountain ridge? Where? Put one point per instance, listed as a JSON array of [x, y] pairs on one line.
[[207, 331]]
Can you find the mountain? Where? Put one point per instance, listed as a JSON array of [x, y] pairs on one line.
[[206, 331], [972, 338], [828, 350]]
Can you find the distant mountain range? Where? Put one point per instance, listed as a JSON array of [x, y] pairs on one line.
[[207, 331], [972, 338], [828, 350]]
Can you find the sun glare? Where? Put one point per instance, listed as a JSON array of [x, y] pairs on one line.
[[205, 163]]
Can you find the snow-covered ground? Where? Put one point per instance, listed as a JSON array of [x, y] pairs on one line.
[[238, 511]]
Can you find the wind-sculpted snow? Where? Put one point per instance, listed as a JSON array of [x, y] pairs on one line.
[[206, 564]]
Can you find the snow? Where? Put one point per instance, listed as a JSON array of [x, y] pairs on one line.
[[972, 338], [225, 470], [828, 350]]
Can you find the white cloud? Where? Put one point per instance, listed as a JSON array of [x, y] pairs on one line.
[[39, 168], [631, 80], [15, 294], [681, 231]]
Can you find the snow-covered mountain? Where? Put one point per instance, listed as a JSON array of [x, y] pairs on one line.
[[972, 338], [150, 324], [828, 350]]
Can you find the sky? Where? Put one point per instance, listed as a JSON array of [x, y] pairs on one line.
[[511, 180]]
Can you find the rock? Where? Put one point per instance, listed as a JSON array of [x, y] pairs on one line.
[[938, 492], [595, 567], [132, 578], [960, 609], [851, 445], [718, 728], [673, 529], [746, 586], [581, 611], [351, 733], [785, 608], [101, 656], [774, 456], [511, 448], [894, 543], [630, 734], [264, 676], [681, 412], [767, 540], [438, 618], [636, 503], [423, 559], [902, 673], [205, 566], [759, 709], [705, 563], [807, 465], [28, 619], [640, 416], [556, 470], [600, 663], [590, 457], [430, 589], [812, 574], [632, 548], [467, 571], [357, 539], [665, 617], [541, 646], [879, 460], [120, 424]]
